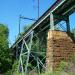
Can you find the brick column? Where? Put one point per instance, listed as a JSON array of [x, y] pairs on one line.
[[49, 52], [59, 47]]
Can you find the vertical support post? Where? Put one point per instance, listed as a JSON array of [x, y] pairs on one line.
[[38, 8], [16, 51], [38, 66], [51, 21], [29, 49], [19, 24], [20, 61], [67, 25]]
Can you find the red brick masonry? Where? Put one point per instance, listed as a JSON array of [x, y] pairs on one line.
[[59, 47]]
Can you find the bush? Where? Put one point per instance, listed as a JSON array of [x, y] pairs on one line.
[[14, 69]]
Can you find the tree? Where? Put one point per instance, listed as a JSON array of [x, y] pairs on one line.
[[73, 31], [25, 28], [4, 48]]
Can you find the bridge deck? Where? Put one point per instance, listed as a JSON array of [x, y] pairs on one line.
[[59, 8]]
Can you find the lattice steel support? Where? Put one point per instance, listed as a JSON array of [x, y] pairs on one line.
[[29, 49], [24, 70], [20, 60]]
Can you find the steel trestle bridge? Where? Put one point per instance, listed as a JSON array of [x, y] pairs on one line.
[[30, 49]]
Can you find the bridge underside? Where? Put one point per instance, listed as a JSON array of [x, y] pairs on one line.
[[31, 48]]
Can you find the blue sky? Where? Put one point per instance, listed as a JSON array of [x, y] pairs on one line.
[[11, 9]]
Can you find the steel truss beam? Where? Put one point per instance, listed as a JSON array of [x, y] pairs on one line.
[[62, 18]]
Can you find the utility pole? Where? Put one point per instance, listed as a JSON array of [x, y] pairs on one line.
[[22, 17], [38, 8], [19, 24]]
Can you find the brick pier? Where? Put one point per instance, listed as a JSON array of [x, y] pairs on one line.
[[59, 47]]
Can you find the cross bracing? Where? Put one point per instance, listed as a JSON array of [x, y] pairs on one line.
[[30, 49]]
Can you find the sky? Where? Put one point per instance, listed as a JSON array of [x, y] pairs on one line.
[[11, 9]]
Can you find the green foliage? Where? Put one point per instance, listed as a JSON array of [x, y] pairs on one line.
[[60, 71], [73, 31], [15, 66], [9, 72], [16, 73], [63, 65], [25, 28], [14, 70], [63, 68], [12, 73], [5, 62], [73, 58], [35, 44], [57, 73]]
